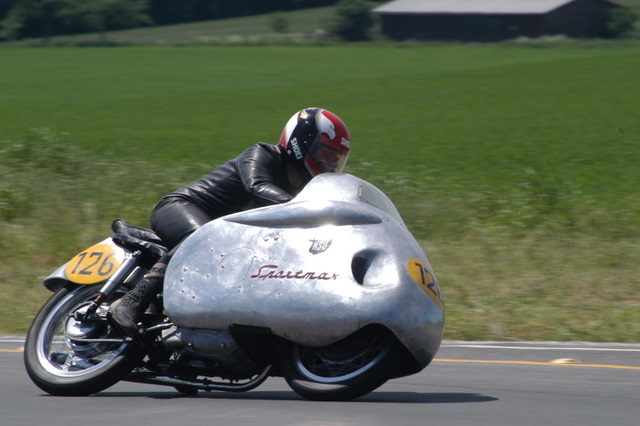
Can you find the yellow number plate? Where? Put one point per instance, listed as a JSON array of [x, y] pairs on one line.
[[95, 264], [421, 274]]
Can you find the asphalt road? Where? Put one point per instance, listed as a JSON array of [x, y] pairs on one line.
[[469, 383]]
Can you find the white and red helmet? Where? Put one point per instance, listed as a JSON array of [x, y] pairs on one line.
[[316, 141]]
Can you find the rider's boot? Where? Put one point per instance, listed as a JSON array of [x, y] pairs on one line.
[[127, 311]]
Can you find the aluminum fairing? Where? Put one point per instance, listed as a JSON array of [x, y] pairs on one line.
[[313, 270]]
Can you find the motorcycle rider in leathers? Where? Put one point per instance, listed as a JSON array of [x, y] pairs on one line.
[[313, 141]]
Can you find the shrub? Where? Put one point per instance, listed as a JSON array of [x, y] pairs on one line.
[[354, 20], [280, 24], [621, 22]]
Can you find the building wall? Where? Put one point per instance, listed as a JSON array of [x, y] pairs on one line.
[[460, 27]]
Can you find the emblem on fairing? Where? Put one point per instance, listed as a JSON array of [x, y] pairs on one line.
[[276, 273], [319, 246]]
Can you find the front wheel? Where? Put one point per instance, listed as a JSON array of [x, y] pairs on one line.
[[344, 370], [66, 356]]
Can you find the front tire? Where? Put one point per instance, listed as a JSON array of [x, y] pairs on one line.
[[58, 356], [344, 370]]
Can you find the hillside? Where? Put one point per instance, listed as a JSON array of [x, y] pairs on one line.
[[300, 26]]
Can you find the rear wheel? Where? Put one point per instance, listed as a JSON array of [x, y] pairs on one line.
[[344, 370], [66, 356]]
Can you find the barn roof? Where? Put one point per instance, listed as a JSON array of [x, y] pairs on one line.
[[470, 6]]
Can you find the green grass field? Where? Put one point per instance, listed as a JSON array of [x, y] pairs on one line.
[[516, 166]]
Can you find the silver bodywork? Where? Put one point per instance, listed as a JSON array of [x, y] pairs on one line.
[[314, 270]]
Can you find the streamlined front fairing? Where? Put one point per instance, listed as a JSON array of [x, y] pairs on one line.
[[314, 270]]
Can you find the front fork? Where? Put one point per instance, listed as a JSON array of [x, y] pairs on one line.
[[130, 263]]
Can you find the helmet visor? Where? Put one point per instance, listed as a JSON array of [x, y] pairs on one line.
[[329, 160]]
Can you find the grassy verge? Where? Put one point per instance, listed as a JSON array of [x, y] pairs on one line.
[[516, 167]]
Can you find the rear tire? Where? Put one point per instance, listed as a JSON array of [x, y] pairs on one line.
[[344, 370], [60, 365]]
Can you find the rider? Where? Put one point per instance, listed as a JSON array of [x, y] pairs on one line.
[[313, 141]]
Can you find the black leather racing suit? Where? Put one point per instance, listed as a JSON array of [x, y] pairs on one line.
[[256, 178]]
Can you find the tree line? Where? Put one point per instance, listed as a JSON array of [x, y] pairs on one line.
[[45, 18]]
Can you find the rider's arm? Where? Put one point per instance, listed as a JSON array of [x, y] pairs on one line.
[[262, 173]]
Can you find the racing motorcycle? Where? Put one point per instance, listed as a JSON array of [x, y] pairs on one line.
[[329, 291]]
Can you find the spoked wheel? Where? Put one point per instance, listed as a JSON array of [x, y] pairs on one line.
[[66, 356], [344, 370]]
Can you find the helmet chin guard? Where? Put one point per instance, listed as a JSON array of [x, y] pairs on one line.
[[316, 141]]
